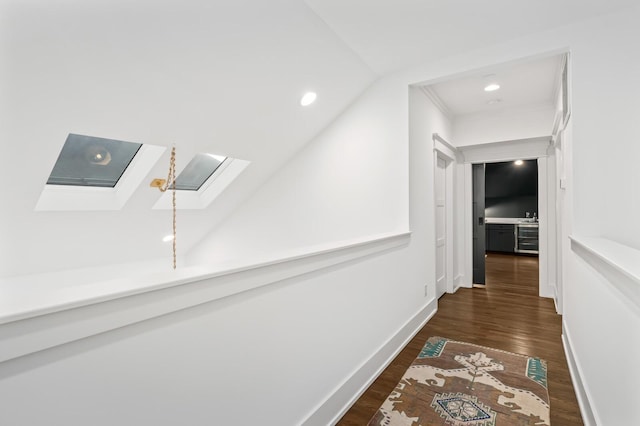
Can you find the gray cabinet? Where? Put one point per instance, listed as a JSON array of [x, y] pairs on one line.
[[501, 237]]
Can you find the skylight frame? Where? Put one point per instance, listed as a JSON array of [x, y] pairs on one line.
[[191, 168], [94, 198], [223, 176], [91, 161]]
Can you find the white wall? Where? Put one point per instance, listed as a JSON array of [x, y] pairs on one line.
[[302, 347], [606, 130], [217, 77], [601, 331], [505, 125], [339, 318], [598, 156], [601, 202], [351, 181], [600, 164], [261, 357]]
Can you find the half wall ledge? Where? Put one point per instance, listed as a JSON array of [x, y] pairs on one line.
[[64, 313], [618, 263]]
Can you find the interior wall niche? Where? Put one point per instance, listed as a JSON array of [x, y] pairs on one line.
[[511, 190]]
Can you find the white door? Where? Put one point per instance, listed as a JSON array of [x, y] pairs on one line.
[[441, 226]]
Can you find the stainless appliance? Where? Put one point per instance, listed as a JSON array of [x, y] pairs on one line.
[[526, 238]]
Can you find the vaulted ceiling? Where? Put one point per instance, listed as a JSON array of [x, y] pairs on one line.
[[218, 77], [207, 76], [391, 35]]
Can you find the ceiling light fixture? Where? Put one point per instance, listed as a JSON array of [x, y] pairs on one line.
[[518, 162], [308, 98], [492, 87], [98, 155], [167, 238]]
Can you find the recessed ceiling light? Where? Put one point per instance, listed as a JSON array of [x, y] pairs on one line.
[[518, 162], [308, 98], [492, 87], [167, 238]]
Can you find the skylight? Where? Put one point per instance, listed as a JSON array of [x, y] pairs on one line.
[[92, 161], [198, 171], [205, 177]]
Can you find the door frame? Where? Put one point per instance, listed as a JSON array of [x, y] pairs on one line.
[[447, 152], [540, 148]]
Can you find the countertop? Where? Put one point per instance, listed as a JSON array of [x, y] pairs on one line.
[[510, 221]]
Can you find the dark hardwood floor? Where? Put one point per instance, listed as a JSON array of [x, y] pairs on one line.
[[507, 315]]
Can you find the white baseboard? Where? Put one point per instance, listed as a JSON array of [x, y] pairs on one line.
[[547, 291], [555, 301], [331, 410], [582, 394], [456, 288], [458, 282]]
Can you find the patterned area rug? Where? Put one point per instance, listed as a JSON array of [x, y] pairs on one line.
[[461, 384]]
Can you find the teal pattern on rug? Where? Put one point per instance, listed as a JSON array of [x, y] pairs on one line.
[[460, 409], [537, 371], [433, 349]]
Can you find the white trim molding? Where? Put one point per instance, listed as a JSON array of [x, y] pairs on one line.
[[435, 99], [445, 148], [582, 394], [537, 148], [619, 264], [520, 149], [331, 410], [34, 322], [546, 234], [449, 153]]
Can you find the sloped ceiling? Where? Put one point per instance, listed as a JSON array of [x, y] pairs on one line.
[[209, 76], [391, 35]]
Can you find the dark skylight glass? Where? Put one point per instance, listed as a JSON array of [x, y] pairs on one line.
[[91, 161], [199, 169]]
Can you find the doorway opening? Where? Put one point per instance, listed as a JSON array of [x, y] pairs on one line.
[[444, 180], [505, 220], [523, 119]]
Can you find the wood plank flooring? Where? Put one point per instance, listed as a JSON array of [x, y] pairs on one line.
[[507, 315]]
